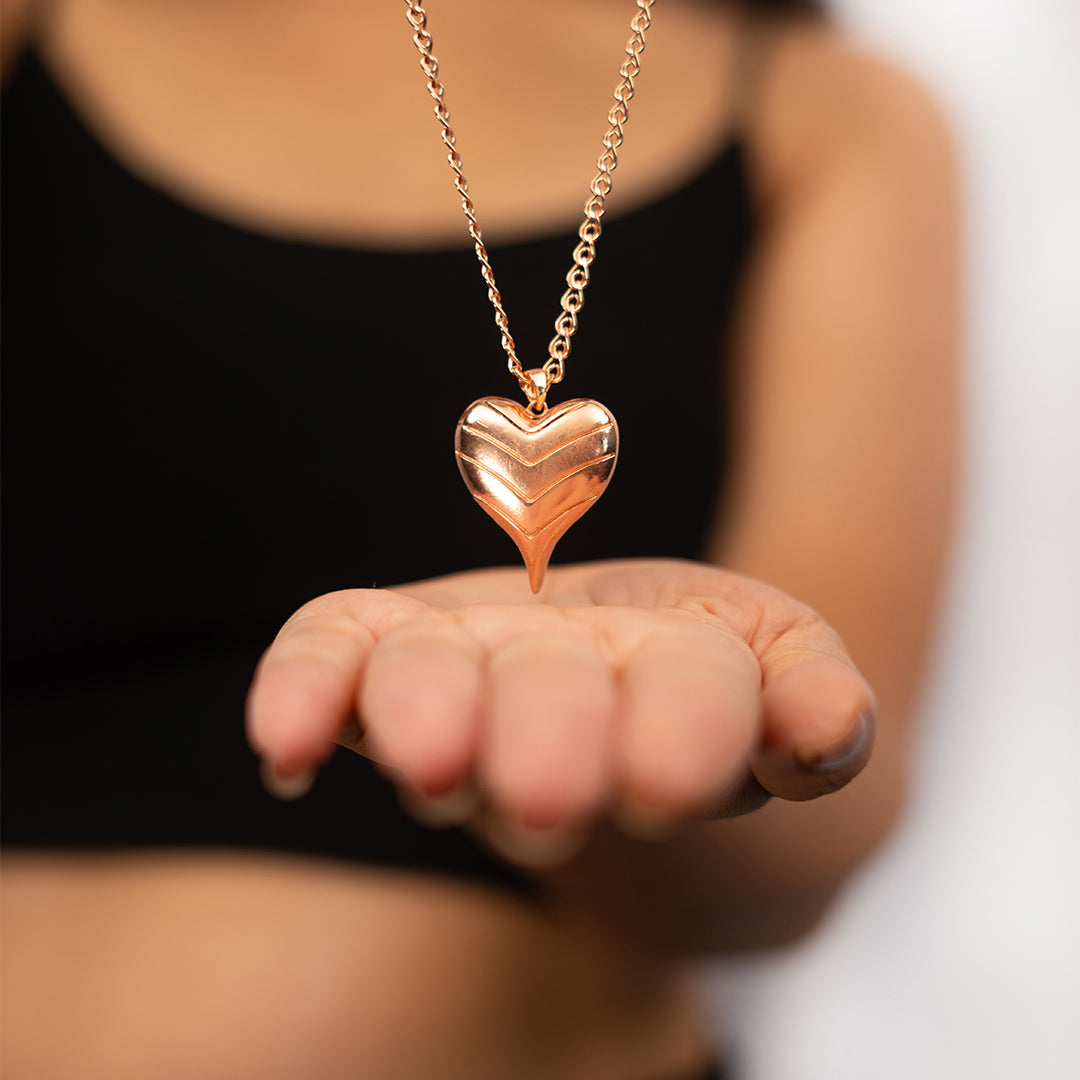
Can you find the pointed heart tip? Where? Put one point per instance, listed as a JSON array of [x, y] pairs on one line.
[[537, 573]]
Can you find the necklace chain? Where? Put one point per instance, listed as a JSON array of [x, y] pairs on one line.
[[534, 384]]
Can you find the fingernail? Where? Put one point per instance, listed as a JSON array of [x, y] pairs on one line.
[[643, 822], [286, 786], [454, 807], [538, 849], [841, 754]]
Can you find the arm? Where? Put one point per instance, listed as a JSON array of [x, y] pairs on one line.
[[844, 475]]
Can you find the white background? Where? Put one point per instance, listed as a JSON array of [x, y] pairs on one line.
[[956, 954]]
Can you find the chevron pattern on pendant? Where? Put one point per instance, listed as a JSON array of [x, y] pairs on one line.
[[536, 475]]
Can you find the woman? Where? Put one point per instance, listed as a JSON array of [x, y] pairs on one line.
[[244, 313]]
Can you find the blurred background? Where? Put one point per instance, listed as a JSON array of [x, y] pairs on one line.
[[956, 953]]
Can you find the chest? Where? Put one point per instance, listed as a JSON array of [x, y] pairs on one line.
[[313, 120]]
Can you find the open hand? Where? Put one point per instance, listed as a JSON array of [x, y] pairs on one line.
[[646, 689]]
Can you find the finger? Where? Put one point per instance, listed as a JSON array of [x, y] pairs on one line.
[[547, 745], [743, 796], [304, 688], [420, 702], [534, 848], [690, 711], [287, 786], [817, 717]]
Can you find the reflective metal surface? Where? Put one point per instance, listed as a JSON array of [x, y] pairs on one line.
[[536, 475]]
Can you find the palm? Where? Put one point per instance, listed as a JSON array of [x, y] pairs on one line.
[[655, 684]]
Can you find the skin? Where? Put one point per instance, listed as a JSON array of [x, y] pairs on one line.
[[619, 734], [640, 687]]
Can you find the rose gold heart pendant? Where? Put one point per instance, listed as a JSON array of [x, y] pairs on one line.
[[536, 473]]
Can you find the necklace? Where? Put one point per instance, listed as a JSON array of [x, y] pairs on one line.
[[533, 468]]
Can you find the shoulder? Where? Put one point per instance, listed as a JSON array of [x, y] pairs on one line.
[[16, 22], [827, 106]]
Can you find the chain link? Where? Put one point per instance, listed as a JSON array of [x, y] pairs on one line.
[[588, 233]]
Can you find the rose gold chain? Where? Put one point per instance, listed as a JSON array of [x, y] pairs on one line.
[[534, 384]]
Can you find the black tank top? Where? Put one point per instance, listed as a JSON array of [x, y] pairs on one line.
[[199, 436]]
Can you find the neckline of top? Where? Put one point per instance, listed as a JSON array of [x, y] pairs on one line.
[[729, 152]]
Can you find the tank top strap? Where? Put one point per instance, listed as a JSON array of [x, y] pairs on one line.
[[755, 41]]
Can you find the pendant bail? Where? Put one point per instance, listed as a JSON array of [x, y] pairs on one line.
[[535, 384]]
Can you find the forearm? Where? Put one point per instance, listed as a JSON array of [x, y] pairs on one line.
[[757, 881], [841, 495]]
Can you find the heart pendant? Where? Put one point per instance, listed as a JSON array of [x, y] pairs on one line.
[[536, 474]]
